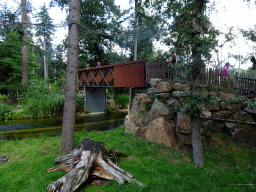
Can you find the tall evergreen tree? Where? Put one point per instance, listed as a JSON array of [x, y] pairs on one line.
[[68, 124], [25, 46], [8, 19], [44, 31]]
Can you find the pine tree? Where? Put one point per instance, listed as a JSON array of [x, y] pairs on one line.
[[44, 31]]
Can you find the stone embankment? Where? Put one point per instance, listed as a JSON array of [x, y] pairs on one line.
[[151, 116]]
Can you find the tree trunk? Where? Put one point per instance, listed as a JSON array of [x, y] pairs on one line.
[[197, 67], [68, 124], [89, 158], [45, 64], [136, 31], [24, 47]]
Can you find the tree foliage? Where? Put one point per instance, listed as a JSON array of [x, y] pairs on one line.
[[44, 32], [11, 60], [99, 26]]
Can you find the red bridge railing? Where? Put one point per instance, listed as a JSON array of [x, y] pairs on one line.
[[129, 74]]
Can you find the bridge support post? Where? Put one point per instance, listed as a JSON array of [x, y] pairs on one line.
[[95, 99], [131, 97]]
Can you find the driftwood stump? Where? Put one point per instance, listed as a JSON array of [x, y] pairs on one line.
[[88, 158]]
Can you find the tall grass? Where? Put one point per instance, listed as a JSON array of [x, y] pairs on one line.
[[41, 101], [229, 166]]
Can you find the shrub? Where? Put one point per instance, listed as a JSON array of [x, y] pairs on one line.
[[42, 101], [3, 98], [122, 100], [5, 111]]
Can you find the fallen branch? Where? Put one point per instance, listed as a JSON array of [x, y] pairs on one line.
[[88, 158]]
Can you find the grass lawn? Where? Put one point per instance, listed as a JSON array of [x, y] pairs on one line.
[[229, 166]]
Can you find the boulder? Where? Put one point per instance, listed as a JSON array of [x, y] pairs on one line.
[[225, 105], [154, 81], [243, 116], [160, 131], [178, 94], [139, 102], [181, 87], [222, 114], [212, 107], [183, 124], [130, 127], [214, 93], [158, 109], [227, 95], [205, 113], [164, 95], [172, 102], [164, 86], [151, 90], [210, 126], [242, 132], [250, 110]]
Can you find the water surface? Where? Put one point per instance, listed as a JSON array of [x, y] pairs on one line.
[[13, 129]]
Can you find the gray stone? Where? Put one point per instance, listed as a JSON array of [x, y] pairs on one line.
[[154, 81], [205, 113], [139, 102], [230, 106], [164, 86], [151, 90], [164, 95], [250, 110], [222, 114], [212, 107], [227, 95], [160, 131], [181, 87], [158, 109], [172, 102], [183, 124], [130, 127], [242, 132], [178, 94]]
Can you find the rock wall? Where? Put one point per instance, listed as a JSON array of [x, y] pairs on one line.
[[150, 116]]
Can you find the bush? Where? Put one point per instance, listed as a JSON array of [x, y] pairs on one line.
[[3, 98], [42, 101], [5, 111], [122, 100]]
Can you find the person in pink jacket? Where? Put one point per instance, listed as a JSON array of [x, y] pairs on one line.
[[224, 73]]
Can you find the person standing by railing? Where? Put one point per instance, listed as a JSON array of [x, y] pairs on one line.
[[224, 74], [98, 64]]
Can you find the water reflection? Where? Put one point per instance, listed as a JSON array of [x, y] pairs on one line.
[[14, 129]]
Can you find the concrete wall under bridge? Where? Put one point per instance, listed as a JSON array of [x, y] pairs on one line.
[[95, 99]]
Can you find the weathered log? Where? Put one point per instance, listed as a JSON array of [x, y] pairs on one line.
[[88, 158], [3, 159]]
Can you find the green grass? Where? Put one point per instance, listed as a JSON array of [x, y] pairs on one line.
[[227, 164]]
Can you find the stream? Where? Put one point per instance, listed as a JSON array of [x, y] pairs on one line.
[[17, 129]]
